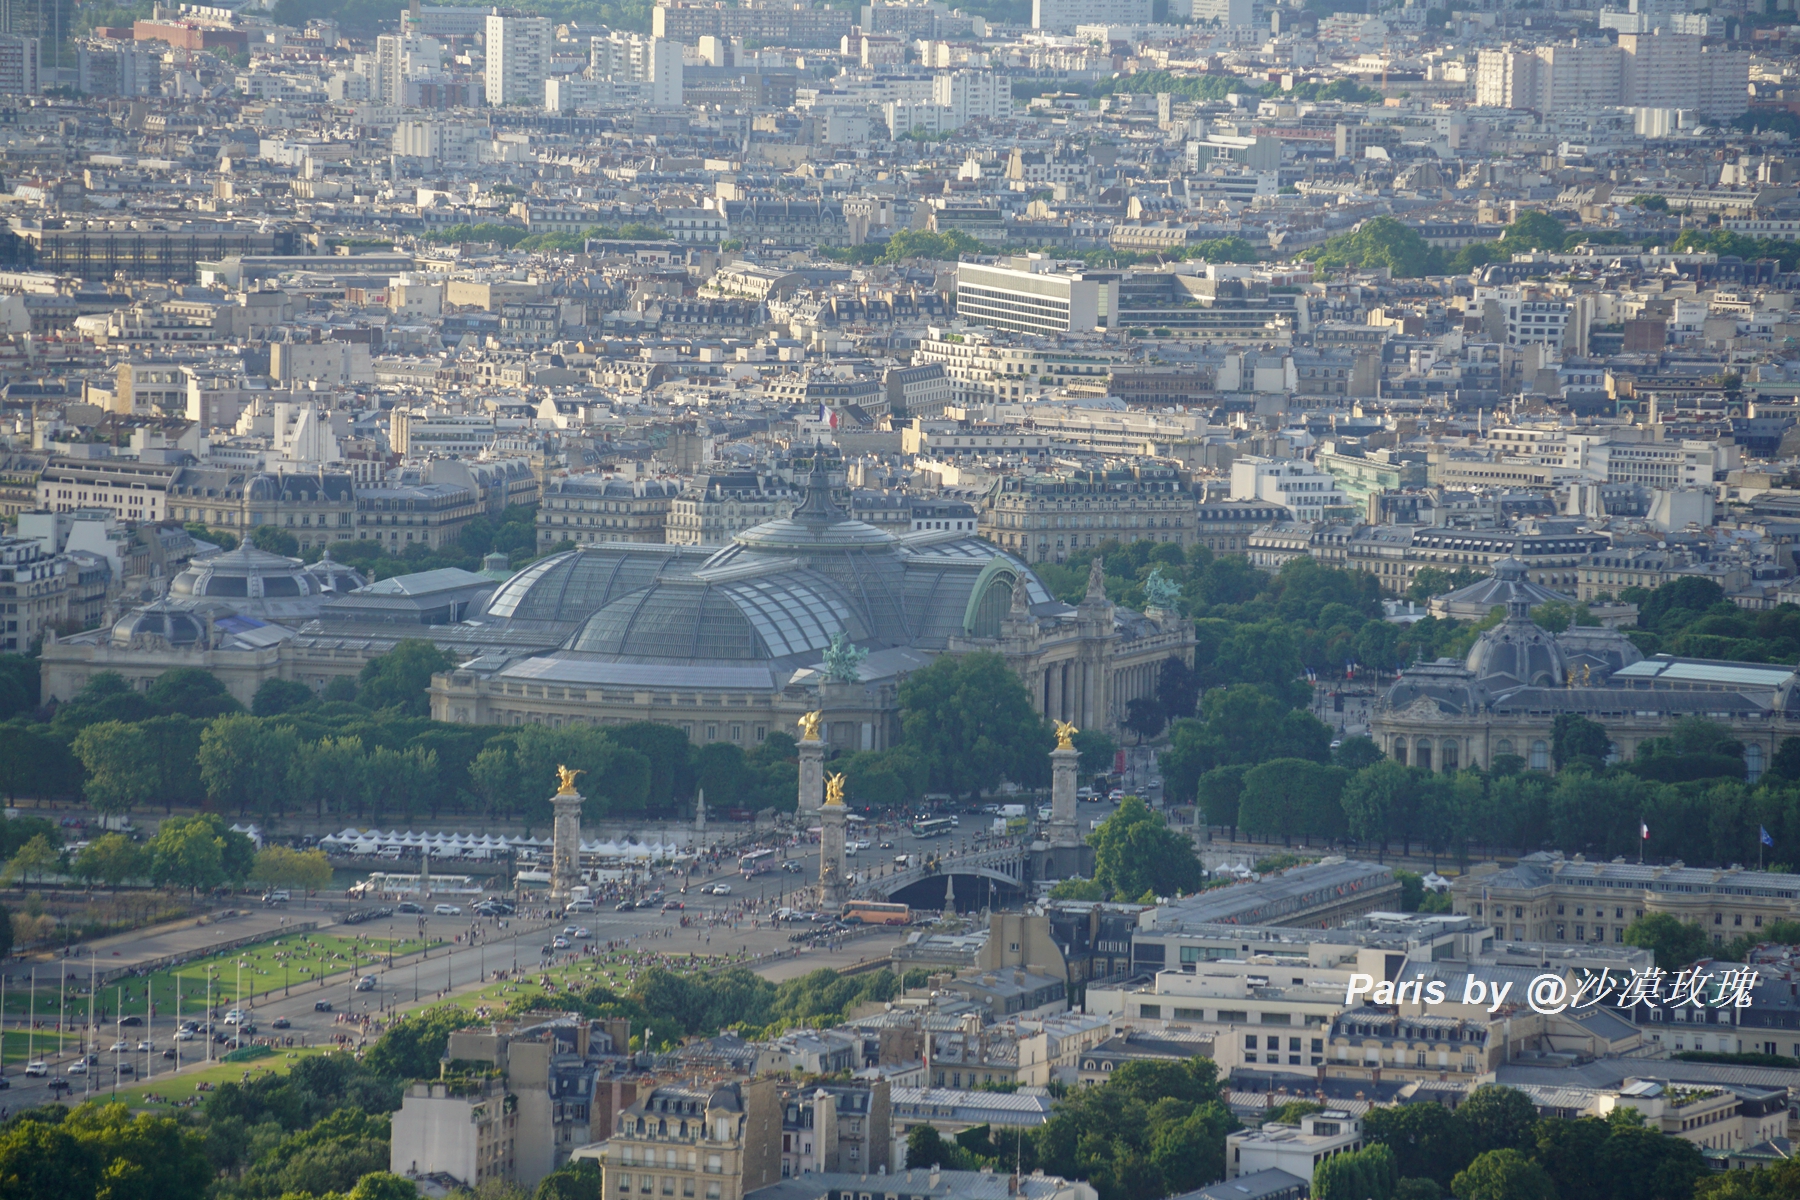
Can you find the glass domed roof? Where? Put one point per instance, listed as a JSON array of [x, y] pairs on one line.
[[566, 588], [772, 616]]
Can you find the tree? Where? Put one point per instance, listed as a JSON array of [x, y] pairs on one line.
[[281, 867], [1674, 942], [1098, 751], [1503, 1175], [247, 762], [384, 1185], [1293, 797], [1428, 1140], [191, 692], [971, 721], [1177, 689], [1355, 753], [1366, 1174], [1134, 852], [720, 770], [1778, 1182], [926, 1148], [399, 678], [1220, 793], [1144, 716], [577, 1179], [110, 859], [1076, 888], [275, 540], [114, 755], [34, 859], [341, 689], [1499, 1118], [277, 696], [333, 770], [1574, 738], [199, 853]]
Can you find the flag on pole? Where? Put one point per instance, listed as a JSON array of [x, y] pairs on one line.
[[1766, 839], [1645, 830]]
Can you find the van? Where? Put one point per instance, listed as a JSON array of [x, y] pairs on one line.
[[579, 906]]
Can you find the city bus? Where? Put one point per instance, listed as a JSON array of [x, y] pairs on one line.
[[756, 861], [876, 912], [928, 827]]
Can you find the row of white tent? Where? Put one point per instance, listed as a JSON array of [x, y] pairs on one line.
[[468, 845]]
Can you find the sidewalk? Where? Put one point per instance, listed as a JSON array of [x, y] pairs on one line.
[[188, 937]]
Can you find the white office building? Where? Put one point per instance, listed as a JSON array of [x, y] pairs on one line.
[[1299, 486]]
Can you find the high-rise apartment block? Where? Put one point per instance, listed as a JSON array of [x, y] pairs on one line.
[[518, 58], [1664, 70], [653, 62]]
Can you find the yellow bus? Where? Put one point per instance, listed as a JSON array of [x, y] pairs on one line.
[[876, 912]]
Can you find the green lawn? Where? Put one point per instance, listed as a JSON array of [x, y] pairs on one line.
[[292, 961], [172, 1090], [18, 1046]]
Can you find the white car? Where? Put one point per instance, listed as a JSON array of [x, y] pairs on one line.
[[185, 1035], [146, 1045], [234, 1017], [78, 1068], [448, 910], [721, 889], [120, 1048], [582, 934], [559, 943], [34, 1069]]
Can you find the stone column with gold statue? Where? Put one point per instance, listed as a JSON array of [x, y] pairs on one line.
[[1064, 760], [811, 751], [834, 871], [565, 837]]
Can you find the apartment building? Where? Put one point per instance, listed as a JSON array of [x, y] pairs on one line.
[[1547, 898], [429, 514], [34, 592], [316, 508], [1054, 517], [1402, 1046], [1552, 551], [714, 508], [698, 1143], [983, 372], [132, 490], [593, 508], [467, 1129], [837, 1128], [518, 58]]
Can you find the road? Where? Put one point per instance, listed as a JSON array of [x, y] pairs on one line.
[[739, 922]]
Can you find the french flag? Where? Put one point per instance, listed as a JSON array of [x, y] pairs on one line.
[[828, 416]]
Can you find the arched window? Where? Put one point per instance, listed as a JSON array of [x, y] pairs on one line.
[[1422, 754], [1753, 762], [1400, 751], [1540, 756], [1503, 746]]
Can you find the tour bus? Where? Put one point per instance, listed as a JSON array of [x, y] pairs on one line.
[[928, 827], [876, 912], [756, 862]]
